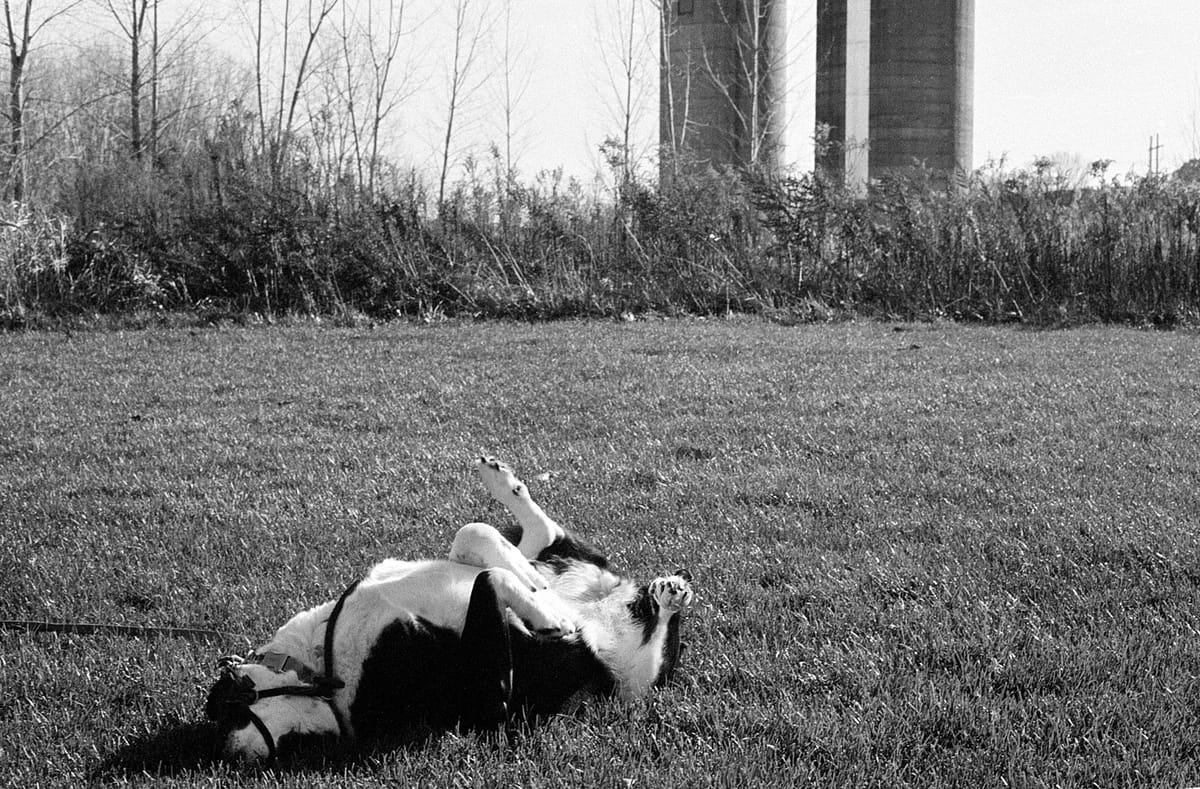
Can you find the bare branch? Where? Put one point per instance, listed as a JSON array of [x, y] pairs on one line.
[[466, 44]]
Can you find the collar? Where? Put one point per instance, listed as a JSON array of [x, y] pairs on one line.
[[279, 662]]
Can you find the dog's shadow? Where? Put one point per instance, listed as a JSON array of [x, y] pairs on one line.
[[195, 747], [176, 749]]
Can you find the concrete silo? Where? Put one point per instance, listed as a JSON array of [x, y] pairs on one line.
[[722, 84], [913, 63]]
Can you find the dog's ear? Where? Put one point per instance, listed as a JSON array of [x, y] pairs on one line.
[[684, 574], [217, 704]]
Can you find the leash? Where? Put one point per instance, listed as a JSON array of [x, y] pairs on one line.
[[104, 628], [239, 693]]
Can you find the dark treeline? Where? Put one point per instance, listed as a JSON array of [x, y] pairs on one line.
[[226, 231]]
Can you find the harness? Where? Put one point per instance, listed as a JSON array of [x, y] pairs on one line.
[[234, 695]]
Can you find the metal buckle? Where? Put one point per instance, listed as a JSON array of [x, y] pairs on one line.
[[278, 662], [275, 661]]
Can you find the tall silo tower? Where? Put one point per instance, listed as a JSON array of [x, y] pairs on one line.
[[895, 84], [722, 84]]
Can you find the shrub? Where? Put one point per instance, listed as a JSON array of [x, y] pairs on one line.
[[1000, 248], [224, 227]]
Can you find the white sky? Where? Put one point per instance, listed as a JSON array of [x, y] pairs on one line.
[[1088, 78], [1093, 78]]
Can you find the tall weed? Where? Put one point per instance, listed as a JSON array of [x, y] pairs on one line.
[[1000, 248], [227, 226]]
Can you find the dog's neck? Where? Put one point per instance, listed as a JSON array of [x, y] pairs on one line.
[[302, 637]]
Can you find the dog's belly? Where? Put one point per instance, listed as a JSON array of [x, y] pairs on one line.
[[436, 591], [398, 642]]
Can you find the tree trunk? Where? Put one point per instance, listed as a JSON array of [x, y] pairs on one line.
[[16, 114], [154, 125], [135, 87], [18, 51]]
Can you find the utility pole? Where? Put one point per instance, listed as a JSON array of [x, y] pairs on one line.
[[1155, 148]]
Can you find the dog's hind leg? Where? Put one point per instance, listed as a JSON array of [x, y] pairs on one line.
[[487, 664], [480, 545], [538, 531]]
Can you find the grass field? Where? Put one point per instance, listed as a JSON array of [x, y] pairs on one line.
[[933, 556]]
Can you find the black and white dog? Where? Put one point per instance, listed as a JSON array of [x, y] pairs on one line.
[[528, 626]]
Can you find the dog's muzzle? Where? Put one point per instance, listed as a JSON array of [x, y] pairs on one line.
[[231, 701]]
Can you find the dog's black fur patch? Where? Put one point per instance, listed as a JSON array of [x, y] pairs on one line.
[[566, 549], [405, 680], [547, 673], [644, 611]]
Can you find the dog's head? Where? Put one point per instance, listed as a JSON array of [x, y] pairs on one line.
[[627, 619], [262, 712]]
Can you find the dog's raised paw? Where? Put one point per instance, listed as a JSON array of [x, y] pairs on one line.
[[501, 482], [672, 593]]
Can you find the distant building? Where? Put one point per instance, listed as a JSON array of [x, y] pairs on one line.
[[895, 86], [722, 84]]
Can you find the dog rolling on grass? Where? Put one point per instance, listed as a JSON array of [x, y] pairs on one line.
[[500, 629]]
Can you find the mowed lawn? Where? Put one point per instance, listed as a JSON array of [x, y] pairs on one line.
[[926, 555]]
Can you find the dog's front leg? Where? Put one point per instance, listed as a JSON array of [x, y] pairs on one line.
[[671, 596]]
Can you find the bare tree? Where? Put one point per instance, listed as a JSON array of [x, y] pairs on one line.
[[131, 18], [259, 77], [155, 125], [315, 15], [625, 46], [275, 133], [18, 51], [168, 48], [514, 82], [509, 88], [675, 82], [348, 84], [759, 60], [20, 40], [461, 80], [370, 49]]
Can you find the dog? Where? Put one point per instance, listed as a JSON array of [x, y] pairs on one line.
[[506, 628]]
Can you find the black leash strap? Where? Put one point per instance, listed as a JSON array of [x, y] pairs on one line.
[[103, 628], [265, 733], [330, 680]]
